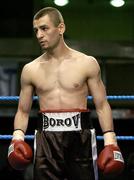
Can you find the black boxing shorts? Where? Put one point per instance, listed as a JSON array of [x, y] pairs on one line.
[[65, 146]]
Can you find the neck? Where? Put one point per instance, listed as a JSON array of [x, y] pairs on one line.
[[59, 51]]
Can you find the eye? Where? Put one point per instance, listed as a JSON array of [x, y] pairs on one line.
[[44, 28]]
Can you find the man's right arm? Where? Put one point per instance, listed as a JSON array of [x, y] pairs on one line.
[[25, 101], [19, 152]]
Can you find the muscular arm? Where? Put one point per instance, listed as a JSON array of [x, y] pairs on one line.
[[97, 89], [25, 101], [107, 162]]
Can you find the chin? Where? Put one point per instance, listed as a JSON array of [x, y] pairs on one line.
[[44, 48]]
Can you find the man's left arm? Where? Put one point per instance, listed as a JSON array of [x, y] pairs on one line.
[[110, 160]]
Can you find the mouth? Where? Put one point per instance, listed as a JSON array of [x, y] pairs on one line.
[[42, 43]]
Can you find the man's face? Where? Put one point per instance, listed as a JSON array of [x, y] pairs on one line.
[[47, 34]]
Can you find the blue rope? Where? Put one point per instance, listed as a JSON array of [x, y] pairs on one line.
[[121, 97], [7, 137], [112, 97], [13, 98], [117, 97], [122, 138], [31, 137]]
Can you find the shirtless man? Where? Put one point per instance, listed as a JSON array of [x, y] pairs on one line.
[[62, 78]]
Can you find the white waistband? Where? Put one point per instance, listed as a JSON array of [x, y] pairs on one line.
[[63, 121]]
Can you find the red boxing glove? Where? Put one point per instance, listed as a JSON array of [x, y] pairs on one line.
[[19, 154], [110, 160]]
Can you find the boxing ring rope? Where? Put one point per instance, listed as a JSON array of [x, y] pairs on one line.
[[31, 137], [111, 97]]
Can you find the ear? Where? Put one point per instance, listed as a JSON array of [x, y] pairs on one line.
[[62, 28]]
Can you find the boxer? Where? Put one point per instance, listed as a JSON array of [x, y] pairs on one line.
[[63, 78]]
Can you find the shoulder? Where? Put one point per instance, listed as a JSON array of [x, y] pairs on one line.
[[89, 59], [90, 65], [90, 62], [29, 69], [84, 57], [31, 66]]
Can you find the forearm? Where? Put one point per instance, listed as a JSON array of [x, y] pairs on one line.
[[104, 113], [21, 121], [106, 123]]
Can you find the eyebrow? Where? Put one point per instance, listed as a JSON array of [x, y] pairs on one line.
[[42, 26]]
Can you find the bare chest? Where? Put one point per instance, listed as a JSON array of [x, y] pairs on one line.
[[67, 77]]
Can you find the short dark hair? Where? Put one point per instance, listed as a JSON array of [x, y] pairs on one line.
[[54, 14]]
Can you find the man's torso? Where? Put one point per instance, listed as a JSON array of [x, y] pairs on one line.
[[61, 84]]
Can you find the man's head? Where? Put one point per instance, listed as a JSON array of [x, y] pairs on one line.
[[49, 27], [53, 13]]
